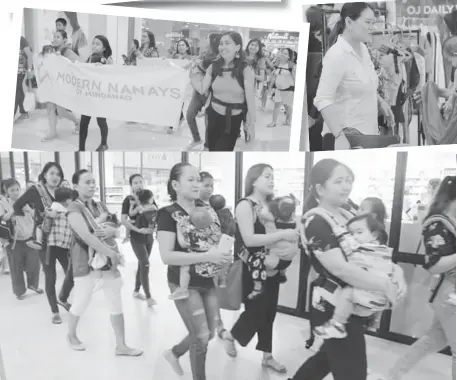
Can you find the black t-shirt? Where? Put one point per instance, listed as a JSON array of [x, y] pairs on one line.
[[166, 222]]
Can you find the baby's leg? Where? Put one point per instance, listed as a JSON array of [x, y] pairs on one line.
[[222, 277], [182, 292]]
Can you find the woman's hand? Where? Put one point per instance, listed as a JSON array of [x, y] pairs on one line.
[[30, 74], [342, 143], [448, 107], [289, 235], [417, 97], [250, 124], [396, 287], [102, 218], [387, 112], [106, 232], [311, 122], [145, 231], [8, 215], [216, 256], [50, 213]]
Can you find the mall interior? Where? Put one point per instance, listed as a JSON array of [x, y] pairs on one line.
[[400, 179]]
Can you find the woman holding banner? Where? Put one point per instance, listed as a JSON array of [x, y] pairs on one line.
[[101, 55], [60, 45], [231, 82], [148, 47]]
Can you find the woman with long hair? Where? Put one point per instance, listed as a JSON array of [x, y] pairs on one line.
[[148, 47], [199, 310], [347, 94], [86, 218], [198, 100], [141, 240], [284, 83], [438, 231], [22, 258], [346, 359], [101, 55], [60, 45], [260, 312], [231, 82], [79, 43]]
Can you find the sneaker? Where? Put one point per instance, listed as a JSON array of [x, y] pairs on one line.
[[56, 320], [193, 145], [179, 294], [151, 302], [331, 330], [139, 296], [171, 358]]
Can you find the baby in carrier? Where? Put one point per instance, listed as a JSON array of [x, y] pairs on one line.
[[279, 214], [365, 245], [196, 235], [145, 209]]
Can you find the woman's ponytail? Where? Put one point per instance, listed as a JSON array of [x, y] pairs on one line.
[[310, 201], [336, 31]]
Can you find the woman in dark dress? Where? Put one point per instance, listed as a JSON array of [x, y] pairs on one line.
[[260, 313], [345, 359]]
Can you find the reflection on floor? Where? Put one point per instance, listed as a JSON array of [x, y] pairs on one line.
[[34, 348], [28, 135]]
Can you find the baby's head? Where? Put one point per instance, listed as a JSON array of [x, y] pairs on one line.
[[365, 228], [283, 208], [64, 196], [217, 202], [375, 207], [47, 49], [145, 196], [201, 218]]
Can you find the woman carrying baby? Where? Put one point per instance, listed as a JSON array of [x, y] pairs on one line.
[[251, 237], [346, 358], [199, 310]]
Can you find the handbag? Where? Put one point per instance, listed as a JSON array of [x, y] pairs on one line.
[[231, 297]]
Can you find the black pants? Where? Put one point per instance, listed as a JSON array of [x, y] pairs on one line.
[[62, 255], [142, 246], [345, 359], [315, 136], [218, 141], [259, 314], [20, 96], [84, 129]]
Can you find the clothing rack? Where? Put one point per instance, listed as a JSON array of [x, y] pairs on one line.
[[420, 132]]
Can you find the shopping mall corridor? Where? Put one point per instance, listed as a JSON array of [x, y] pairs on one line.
[[34, 348]]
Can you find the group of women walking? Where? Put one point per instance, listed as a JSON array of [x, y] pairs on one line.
[[224, 82], [331, 186]]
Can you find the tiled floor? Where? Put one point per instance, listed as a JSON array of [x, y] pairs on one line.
[[27, 135], [33, 348]]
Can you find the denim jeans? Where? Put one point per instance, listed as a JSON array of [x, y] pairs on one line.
[[199, 313], [195, 105], [142, 247]]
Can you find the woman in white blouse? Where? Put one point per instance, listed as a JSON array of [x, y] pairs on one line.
[[347, 94]]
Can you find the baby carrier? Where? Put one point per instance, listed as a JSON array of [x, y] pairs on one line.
[[328, 284]]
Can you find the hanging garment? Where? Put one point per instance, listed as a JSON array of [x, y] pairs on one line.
[[414, 74], [420, 61], [437, 131], [391, 77], [439, 65]]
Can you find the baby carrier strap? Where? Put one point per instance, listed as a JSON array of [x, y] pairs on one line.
[[340, 234], [89, 217], [45, 197]]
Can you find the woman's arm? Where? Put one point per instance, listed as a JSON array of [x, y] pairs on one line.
[[79, 226], [202, 86], [169, 256], [28, 53], [249, 90], [128, 224], [72, 56], [30, 198], [439, 248], [245, 219]]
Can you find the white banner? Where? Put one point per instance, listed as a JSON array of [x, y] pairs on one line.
[[152, 94]]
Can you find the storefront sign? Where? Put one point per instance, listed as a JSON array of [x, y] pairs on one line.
[[151, 94], [174, 35], [424, 8]]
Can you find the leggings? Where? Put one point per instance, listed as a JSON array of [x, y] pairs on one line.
[[440, 335], [84, 128], [196, 104], [218, 141], [142, 247], [20, 96], [85, 286], [199, 313]]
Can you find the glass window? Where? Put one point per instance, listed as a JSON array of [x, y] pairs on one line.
[[19, 169], [413, 316], [289, 172], [37, 160], [67, 161], [5, 161], [222, 167]]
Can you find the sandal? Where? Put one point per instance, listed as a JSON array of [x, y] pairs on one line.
[[229, 345], [273, 364], [271, 125], [127, 351]]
